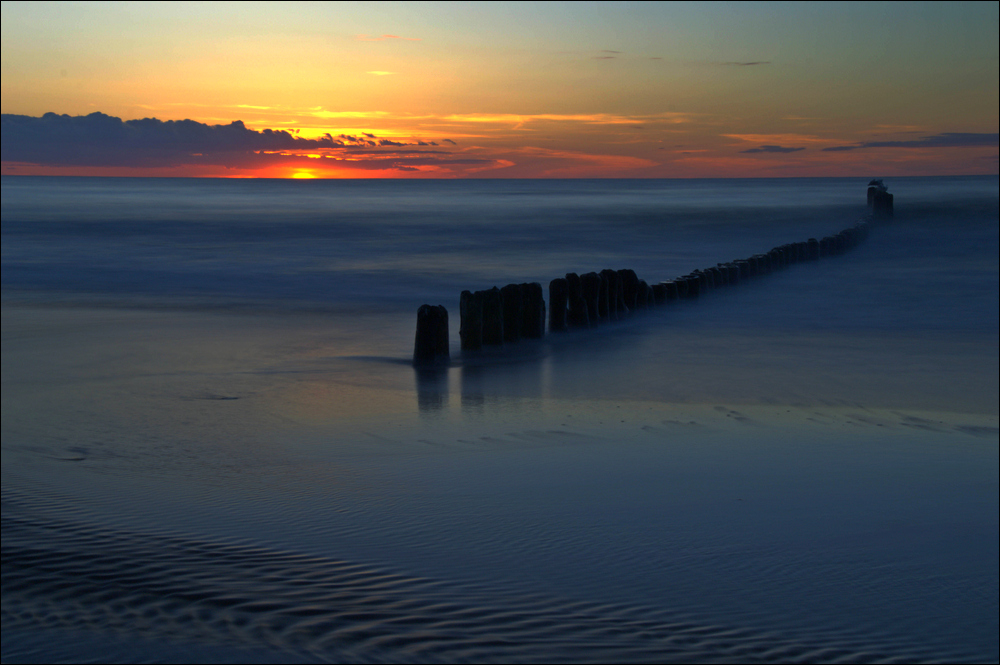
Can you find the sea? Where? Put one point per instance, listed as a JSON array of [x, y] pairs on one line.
[[216, 448]]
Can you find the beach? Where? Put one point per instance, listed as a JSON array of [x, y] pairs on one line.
[[215, 446]]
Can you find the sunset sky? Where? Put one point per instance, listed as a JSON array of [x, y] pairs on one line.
[[510, 90]]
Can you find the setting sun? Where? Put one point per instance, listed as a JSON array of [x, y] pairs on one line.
[[501, 90], [498, 387]]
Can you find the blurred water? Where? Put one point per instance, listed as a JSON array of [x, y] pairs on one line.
[[214, 445], [395, 244]]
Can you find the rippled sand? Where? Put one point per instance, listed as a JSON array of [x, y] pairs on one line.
[[193, 487]]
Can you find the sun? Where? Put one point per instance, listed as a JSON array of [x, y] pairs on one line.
[[303, 175]]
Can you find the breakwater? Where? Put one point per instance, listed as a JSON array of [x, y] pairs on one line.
[[497, 317]]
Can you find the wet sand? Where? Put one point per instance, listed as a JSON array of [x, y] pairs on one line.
[[195, 486]]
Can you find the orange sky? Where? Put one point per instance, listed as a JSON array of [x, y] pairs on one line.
[[507, 90]]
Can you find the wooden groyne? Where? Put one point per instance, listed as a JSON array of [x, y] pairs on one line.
[[497, 317]]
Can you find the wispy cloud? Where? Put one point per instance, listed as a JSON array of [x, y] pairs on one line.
[[550, 162], [724, 63], [915, 129], [777, 139], [320, 112], [283, 115], [380, 73], [385, 38], [943, 140], [588, 118], [772, 148], [727, 63]]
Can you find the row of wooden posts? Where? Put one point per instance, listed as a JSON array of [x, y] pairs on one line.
[[496, 317]]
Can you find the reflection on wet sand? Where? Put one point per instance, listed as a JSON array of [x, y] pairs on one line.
[[432, 388]]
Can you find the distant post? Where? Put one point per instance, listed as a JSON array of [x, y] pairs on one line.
[[879, 200]]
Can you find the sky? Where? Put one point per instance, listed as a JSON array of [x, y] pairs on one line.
[[500, 90]]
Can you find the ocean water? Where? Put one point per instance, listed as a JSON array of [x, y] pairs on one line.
[[214, 445]]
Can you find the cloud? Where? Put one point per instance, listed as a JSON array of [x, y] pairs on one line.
[[102, 140], [728, 63], [552, 162], [320, 112], [585, 118], [777, 138], [384, 38], [410, 163], [380, 73], [944, 140], [772, 148], [99, 140]]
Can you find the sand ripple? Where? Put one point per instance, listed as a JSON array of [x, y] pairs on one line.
[[67, 580]]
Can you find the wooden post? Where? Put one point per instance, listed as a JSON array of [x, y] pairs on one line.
[[431, 345]]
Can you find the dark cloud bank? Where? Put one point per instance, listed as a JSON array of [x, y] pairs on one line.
[[102, 140], [772, 148], [945, 140]]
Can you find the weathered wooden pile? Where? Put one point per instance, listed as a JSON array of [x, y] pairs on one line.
[[497, 317]]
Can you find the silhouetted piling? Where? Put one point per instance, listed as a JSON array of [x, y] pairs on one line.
[[532, 311], [492, 317], [693, 286], [779, 257], [497, 316], [471, 312], [882, 205], [812, 253], [659, 294], [630, 283], [604, 299], [590, 284], [874, 187], [879, 200], [558, 293], [616, 299], [513, 312], [430, 347], [670, 289], [719, 277], [577, 316], [643, 296]]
